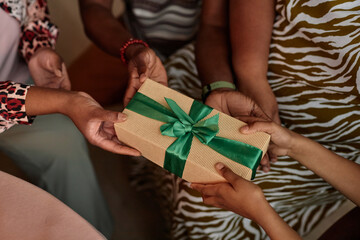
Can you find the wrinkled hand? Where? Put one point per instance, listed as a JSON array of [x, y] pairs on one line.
[[237, 195], [263, 95], [97, 124], [235, 104], [282, 139], [143, 64], [48, 69], [241, 107]]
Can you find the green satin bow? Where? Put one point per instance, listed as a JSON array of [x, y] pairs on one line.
[[184, 127]]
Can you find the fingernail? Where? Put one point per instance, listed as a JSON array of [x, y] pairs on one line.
[[58, 73], [244, 128], [219, 166], [142, 77], [266, 169], [122, 116]]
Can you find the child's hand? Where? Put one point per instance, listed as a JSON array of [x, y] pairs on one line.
[[143, 64], [282, 139], [48, 69], [238, 195], [246, 199]]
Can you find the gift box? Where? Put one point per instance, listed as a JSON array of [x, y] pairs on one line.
[[187, 137]]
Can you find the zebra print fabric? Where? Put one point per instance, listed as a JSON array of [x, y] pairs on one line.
[[314, 71]]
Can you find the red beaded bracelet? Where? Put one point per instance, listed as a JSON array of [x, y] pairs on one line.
[[126, 45]]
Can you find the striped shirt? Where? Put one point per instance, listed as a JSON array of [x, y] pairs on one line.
[[166, 25]]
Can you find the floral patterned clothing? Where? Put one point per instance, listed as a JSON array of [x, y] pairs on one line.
[[36, 29], [12, 105]]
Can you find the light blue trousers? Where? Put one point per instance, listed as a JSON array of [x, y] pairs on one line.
[[54, 154]]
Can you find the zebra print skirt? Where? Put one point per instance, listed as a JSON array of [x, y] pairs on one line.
[[300, 197]]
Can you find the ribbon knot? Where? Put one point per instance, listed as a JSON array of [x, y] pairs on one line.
[[188, 128], [204, 130]]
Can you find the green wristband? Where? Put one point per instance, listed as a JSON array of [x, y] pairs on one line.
[[216, 85]]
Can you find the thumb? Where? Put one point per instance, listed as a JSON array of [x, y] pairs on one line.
[[143, 71], [267, 127], [54, 65], [133, 84], [111, 116], [65, 84], [142, 67], [248, 119], [226, 172]]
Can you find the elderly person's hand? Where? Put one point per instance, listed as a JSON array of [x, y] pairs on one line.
[[143, 64], [241, 107], [235, 104]]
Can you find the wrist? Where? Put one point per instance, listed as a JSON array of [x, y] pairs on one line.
[[248, 72], [40, 52], [267, 214], [219, 86], [275, 227], [40, 101], [266, 99], [133, 50], [253, 84], [130, 48], [69, 101], [297, 146], [269, 219]]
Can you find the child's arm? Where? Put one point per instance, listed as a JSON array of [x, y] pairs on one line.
[[246, 199], [341, 173]]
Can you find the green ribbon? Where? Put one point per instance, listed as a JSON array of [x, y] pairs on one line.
[[184, 127]]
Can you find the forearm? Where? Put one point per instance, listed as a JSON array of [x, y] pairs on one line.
[[102, 27], [212, 55], [212, 45], [341, 173], [41, 101], [274, 225], [251, 25]]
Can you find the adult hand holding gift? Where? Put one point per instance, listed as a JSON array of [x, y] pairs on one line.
[[239, 106], [186, 137], [94, 122], [143, 64]]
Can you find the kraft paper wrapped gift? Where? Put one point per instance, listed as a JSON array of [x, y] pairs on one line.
[[187, 137]]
